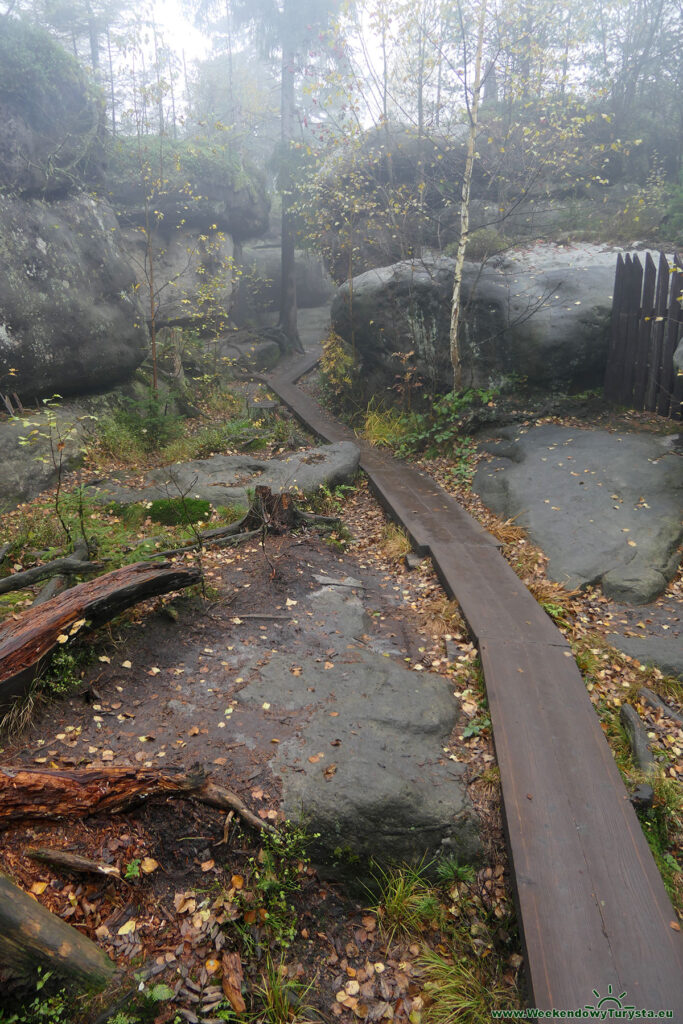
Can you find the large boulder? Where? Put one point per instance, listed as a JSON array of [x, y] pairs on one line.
[[539, 317], [185, 206], [51, 117], [69, 319], [193, 274]]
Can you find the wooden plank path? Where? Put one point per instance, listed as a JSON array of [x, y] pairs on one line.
[[594, 914]]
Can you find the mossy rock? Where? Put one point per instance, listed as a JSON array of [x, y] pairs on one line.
[[51, 115], [199, 183]]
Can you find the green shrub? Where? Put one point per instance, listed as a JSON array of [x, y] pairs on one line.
[[149, 420], [486, 242], [340, 377], [441, 428]]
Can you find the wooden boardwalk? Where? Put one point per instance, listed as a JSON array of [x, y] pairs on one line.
[[595, 917]]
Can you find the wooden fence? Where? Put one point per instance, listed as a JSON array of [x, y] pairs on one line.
[[646, 327]]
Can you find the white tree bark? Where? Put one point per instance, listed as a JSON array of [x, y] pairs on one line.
[[465, 201]]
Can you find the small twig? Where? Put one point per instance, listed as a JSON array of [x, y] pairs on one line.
[[219, 542], [226, 829], [659, 705], [264, 615], [74, 862]]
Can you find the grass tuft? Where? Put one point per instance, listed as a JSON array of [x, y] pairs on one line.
[[407, 903], [457, 991], [395, 543]]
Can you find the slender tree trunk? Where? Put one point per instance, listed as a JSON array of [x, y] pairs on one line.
[[187, 83], [231, 86], [439, 76], [112, 93], [157, 74], [172, 90], [94, 41], [421, 75], [288, 307], [465, 202]]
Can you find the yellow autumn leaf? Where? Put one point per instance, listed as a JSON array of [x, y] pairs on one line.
[[148, 865], [39, 888], [128, 928], [62, 638]]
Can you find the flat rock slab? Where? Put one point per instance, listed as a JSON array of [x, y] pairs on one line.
[[664, 652], [604, 507], [366, 771], [224, 479]]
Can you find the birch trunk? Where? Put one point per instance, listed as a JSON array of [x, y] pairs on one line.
[[465, 204]]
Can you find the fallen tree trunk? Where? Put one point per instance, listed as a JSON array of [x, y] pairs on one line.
[[44, 794], [27, 639], [30, 936]]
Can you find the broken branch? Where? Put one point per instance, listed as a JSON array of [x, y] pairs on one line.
[[29, 794], [59, 567]]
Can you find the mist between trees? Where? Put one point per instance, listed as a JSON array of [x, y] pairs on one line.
[[361, 115]]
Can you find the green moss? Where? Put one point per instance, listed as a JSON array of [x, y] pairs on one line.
[[167, 511], [175, 511]]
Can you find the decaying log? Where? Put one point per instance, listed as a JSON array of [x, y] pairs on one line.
[[66, 860], [27, 639], [59, 567], [30, 936], [31, 794]]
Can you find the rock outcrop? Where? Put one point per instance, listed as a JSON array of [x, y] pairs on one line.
[[538, 317], [50, 116], [605, 507], [69, 319], [366, 769], [185, 207], [224, 480], [260, 289]]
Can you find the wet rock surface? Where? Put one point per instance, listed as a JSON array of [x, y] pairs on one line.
[[366, 769], [605, 507], [225, 479]]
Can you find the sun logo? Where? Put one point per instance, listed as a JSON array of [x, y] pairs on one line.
[[610, 1001]]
